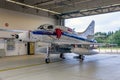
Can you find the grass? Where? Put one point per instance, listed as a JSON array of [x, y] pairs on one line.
[[114, 48]]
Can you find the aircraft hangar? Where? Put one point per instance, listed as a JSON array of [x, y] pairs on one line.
[[21, 60]]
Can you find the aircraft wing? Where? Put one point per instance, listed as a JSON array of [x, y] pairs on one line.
[[77, 43], [8, 33], [9, 30]]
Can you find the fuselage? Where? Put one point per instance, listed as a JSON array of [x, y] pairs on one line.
[[59, 34], [51, 34]]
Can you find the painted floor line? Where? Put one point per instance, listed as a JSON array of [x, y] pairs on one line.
[[26, 66]]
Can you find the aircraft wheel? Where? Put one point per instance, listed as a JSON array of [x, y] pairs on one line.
[[62, 56], [47, 60], [81, 57]]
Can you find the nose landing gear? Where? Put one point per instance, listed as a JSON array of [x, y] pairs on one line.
[[47, 60]]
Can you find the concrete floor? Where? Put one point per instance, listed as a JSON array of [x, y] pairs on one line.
[[96, 67]]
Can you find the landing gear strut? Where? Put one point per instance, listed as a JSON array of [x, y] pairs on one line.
[[47, 60]]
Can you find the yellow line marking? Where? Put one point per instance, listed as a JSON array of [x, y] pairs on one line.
[[20, 67]]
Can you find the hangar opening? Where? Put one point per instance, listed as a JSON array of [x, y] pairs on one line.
[[107, 29]]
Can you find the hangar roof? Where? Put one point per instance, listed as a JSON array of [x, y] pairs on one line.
[[62, 8]]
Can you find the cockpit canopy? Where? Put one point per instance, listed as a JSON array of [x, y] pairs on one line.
[[46, 27]]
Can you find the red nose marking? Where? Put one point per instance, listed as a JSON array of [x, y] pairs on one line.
[[58, 32]]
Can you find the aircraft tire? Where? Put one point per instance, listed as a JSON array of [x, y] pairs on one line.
[[81, 57], [62, 56], [47, 60]]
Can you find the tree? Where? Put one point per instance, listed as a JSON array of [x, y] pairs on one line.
[[116, 37], [110, 37]]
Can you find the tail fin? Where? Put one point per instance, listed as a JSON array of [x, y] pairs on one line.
[[89, 32]]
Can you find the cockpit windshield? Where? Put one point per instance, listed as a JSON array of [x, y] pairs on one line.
[[50, 27], [46, 27], [41, 27]]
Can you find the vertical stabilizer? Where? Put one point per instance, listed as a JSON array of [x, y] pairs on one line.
[[89, 32]]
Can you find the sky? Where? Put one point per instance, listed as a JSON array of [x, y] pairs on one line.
[[103, 22]]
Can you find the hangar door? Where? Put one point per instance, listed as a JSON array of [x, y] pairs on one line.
[[30, 48]]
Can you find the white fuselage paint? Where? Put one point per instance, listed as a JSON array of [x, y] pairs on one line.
[[47, 33]]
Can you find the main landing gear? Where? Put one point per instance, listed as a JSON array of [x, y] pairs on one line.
[[81, 57], [47, 60]]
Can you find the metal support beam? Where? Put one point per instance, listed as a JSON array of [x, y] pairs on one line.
[[94, 11]]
